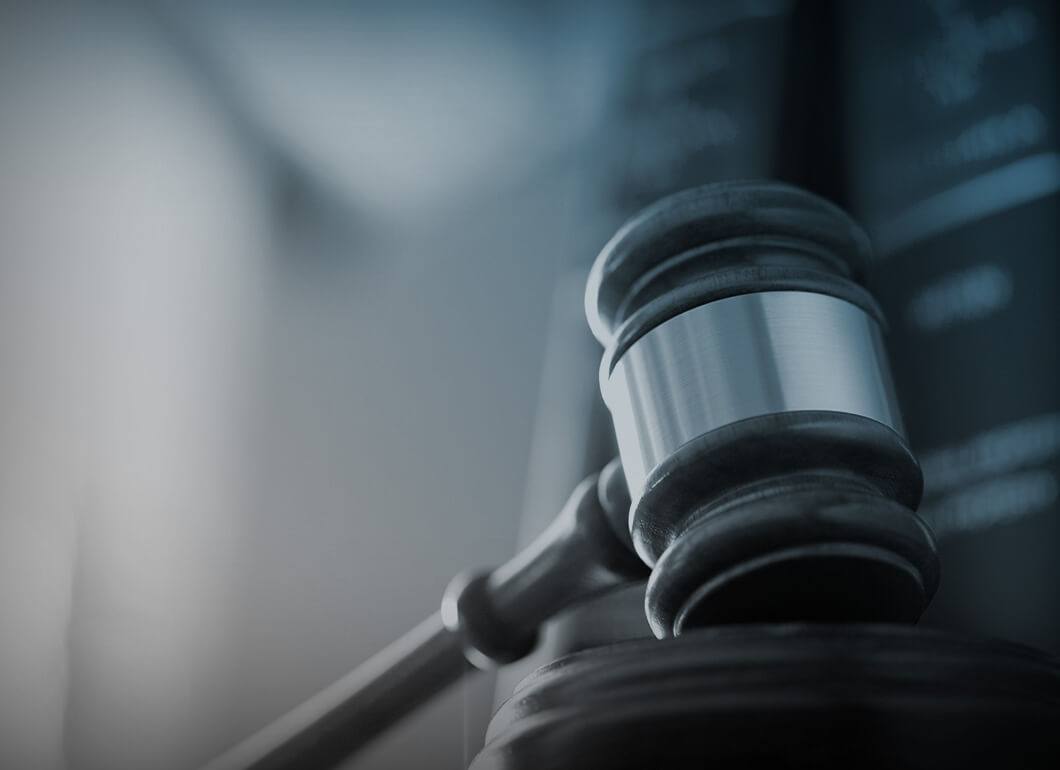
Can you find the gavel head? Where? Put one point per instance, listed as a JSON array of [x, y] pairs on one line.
[[762, 444]]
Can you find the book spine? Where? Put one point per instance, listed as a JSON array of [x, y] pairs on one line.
[[953, 165]]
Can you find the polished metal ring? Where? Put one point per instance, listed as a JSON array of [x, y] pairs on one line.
[[740, 357]]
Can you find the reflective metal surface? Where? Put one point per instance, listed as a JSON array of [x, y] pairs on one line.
[[742, 357]]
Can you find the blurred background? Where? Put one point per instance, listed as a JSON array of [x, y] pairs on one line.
[[291, 325]]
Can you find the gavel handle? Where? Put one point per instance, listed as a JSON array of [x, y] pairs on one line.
[[490, 617], [335, 723]]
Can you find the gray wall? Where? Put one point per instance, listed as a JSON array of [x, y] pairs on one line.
[[275, 289]]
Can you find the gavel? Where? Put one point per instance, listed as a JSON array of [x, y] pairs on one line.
[[766, 489]]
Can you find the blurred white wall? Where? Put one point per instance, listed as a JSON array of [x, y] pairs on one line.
[[245, 442], [133, 236]]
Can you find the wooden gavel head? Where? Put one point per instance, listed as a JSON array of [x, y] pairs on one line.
[[762, 444]]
